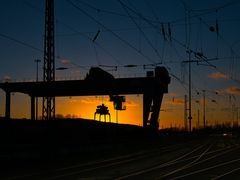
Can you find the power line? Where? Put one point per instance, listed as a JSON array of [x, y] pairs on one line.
[[140, 16], [102, 10], [178, 42], [219, 7], [103, 30], [21, 42], [106, 28], [228, 45], [111, 12], [76, 32], [139, 28]]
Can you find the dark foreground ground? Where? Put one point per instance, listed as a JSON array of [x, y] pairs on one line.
[[28, 147]]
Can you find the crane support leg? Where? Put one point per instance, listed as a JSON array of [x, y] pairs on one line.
[[8, 105], [147, 101], [151, 109], [157, 100]]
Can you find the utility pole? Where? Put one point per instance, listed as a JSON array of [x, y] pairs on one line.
[[204, 106], [185, 113], [199, 55], [189, 61], [198, 119], [37, 61], [48, 110], [204, 109], [190, 91]]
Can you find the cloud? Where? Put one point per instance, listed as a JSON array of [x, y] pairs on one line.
[[176, 101], [233, 91], [65, 61], [73, 100], [88, 100], [218, 75], [131, 103]]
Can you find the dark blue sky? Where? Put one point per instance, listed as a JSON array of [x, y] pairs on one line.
[[130, 33]]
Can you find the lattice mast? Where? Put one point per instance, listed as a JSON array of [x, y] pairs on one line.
[[48, 110]]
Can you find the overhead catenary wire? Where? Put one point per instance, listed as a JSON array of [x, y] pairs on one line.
[[139, 28], [31, 46], [218, 34], [165, 34], [169, 35], [40, 50], [130, 65], [179, 21], [23, 43], [102, 10], [154, 26], [113, 33], [204, 11], [182, 44], [179, 43], [78, 33]]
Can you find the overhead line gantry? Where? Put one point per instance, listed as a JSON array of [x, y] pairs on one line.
[[48, 108]]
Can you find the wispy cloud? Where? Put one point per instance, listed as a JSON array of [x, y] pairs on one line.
[[233, 91], [65, 61], [131, 103], [218, 75], [87, 100], [176, 101]]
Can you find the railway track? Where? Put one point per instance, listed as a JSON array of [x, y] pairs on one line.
[[195, 164], [102, 165], [181, 161]]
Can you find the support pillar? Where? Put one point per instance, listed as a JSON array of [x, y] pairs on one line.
[[157, 100], [8, 105], [147, 101], [32, 108]]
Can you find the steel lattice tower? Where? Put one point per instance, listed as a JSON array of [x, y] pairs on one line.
[[48, 110]]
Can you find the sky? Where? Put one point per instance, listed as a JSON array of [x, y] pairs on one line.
[[131, 32]]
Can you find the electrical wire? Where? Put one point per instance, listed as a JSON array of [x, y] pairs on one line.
[[20, 42], [113, 33], [228, 45], [102, 10], [78, 33], [176, 41], [139, 28]]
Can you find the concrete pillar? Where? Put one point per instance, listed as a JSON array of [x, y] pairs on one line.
[[8, 105], [32, 108]]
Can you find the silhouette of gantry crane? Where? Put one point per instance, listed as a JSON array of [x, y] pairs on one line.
[[102, 110], [98, 82]]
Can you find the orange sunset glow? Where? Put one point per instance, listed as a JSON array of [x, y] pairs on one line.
[[80, 107], [85, 107], [218, 108]]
